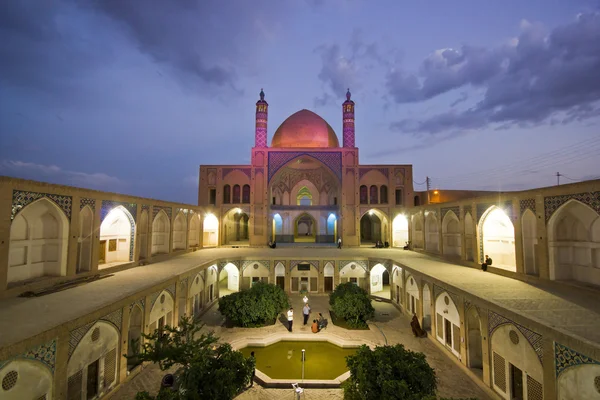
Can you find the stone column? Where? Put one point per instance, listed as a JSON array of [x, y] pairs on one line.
[[463, 330], [321, 277], [548, 363], [440, 232], [61, 365], [516, 220], [486, 356], [73, 241], [287, 282], [463, 239], [171, 231], [542, 250], [336, 274], [122, 371], [137, 246], [420, 300], [96, 238]]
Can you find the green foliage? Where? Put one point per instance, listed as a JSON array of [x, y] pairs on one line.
[[389, 372], [352, 303], [258, 306], [208, 369]]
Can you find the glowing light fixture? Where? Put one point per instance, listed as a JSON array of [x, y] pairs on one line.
[[371, 212], [436, 192], [332, 215]]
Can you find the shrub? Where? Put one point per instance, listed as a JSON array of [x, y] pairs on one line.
[[258, 306], [351, 303], [389, 372]]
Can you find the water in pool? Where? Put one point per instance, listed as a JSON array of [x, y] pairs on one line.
[[283, 360]]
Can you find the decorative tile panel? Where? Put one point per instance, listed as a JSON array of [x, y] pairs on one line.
[[482, 208], [386, 263], [437, 290], [145, 207], [222, 264], [20, 199], [246, 263], [455, 210], [261, 170], [131, 208], [153, 298], [140, 302], [361, 263], [364, 171], [115, 318], [314, 263], [552, 203], [565, 358], [171, 289], [227, 171], [156, 210], [331, 159], [535, 339], [468, 209], [44, 353], [87, 202], [527, 204]]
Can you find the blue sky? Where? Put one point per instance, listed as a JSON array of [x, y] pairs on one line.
[[131, 96]]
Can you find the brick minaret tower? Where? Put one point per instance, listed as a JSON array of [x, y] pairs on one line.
[[262, 112], [348, 113]]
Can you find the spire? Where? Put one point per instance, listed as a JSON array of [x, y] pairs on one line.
[[348, 121], [348, 94], [262, 94], [262, 112]]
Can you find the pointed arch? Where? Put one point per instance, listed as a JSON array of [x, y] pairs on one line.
[[528, 229], [497, 239], [84, 244], [305, 228], [448, 323], [179, 231], [364, 194], [134, 335], [374, 226], [432, 233], [427, 306], [400, 231], [161, 231], [161, 313], [418, 233], [226, 194], [451, 234], [38, 242], [194, 231], [474, 339], [31, 379], [412, 294], [117, 236]]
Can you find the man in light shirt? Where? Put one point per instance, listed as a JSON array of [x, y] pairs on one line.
[[290, 316], [306, 312]]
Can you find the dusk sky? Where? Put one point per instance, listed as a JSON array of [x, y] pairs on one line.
[[131, 96]]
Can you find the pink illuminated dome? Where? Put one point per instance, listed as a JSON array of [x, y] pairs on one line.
[[304, 129]]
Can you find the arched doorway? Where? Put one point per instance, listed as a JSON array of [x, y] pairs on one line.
[[235, 227], [280, 275], [412, 295], [161, 313], [451, 235], [116, 237], [417, 231], [229, 280], [211, 231], [134, 336], [161, 227], [304, 278], [328, 275], [574, 244], [380, 282], [448, 323], [179, 231], [498, 239], [39, 225], [196, 294], [194, 231], [373, 227], [84, 244], [305, 229], [400, 229], [474, 342], [277, 235], [331, 228], [426, 308], [528, 226], [432, 234]]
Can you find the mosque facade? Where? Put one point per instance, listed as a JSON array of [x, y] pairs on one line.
[[305, 187]]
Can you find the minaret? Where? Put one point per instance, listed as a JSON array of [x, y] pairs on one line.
[[262, 112], [348, 113]]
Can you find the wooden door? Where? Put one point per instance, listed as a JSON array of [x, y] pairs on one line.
[[280, 281], [329, 283]]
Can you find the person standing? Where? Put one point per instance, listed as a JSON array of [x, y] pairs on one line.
[[306, 312], [290, 316], [339, 243], [253, 359]]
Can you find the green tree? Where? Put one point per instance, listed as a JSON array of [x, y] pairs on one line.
[[352, 303], [258, 306], [208, 369], [389, 372]]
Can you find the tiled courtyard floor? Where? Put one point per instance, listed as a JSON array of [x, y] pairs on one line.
[[388, 325]]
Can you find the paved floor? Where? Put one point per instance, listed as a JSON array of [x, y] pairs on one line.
[[566, 309], [389, 326]]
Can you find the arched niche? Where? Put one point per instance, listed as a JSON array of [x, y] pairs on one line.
[[398, 284], [143, 234], [579, 382], [280, 275], [194, 231], [418, 235], [212, 275], [529, 227], [451, 234], [412, 294], [400, 231], [474, 339], [255, 272], [235, 227], [38, 242], [427, 307], [498, 239], [210, 231], [380, 281], [116, 237], [373, 227], [161, 228], [229, 280], [305, 228], [304, 277], [92, 368], [134, 335], [196, 292], [574, 243], [86, 236], [179, 231], [448, 323], [161, 313], [26, 379], [356, 273], [432, 235]]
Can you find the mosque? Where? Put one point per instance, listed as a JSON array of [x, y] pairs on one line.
[[83, 273]]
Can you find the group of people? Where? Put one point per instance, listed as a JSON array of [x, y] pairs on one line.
[[380, 245], [317, 324]]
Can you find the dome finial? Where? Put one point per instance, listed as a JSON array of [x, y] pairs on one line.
[[262, 94], [348, 94]]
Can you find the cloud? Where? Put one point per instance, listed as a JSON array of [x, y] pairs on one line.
[[536, 78], [27, 170]]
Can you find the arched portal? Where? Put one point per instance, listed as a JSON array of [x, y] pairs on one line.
[[448, 323], [84, 244], [474, 340], [194, 231], [26, 379], [412, 295], [432, 234], [277, 235], [304, 278], [380, 282], [451, 234], [418, 235], [116, 244], [427, 308], [400, 231], [579, 382], [161, 313], [229, 280], [211, 231], [305, 229], [253, 273], [304, 197], [179, 231], [528, 226], [574, 244], [161, 231], [235, 227], [355, 273], [328, 276], [332, 232], [38, 242], [134, 336], [498, 239], [280, 275], [196, 294], [373, 227]]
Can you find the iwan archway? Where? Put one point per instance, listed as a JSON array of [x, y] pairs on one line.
[[116, 238], [305, 229], [373, 227], [497, 239], [235, 227], [400, 231]]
